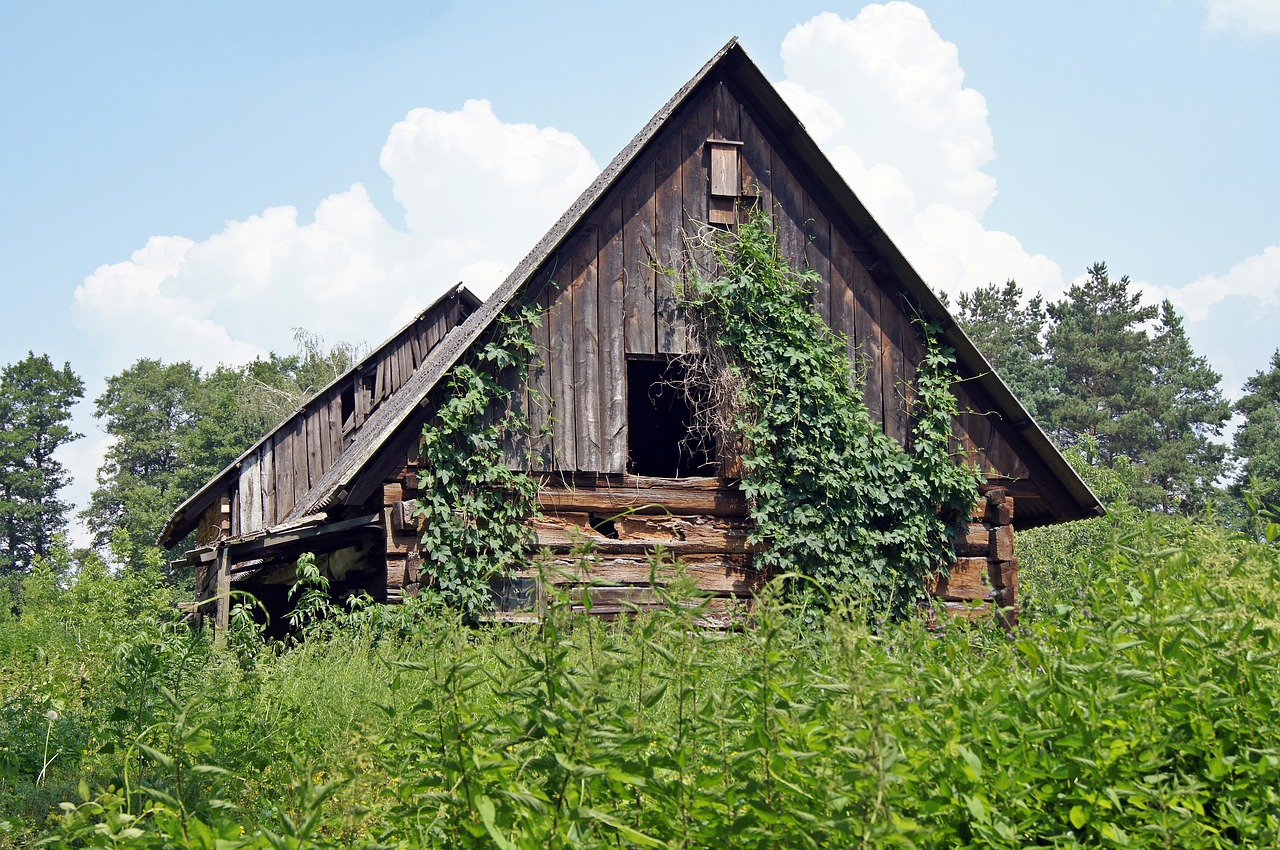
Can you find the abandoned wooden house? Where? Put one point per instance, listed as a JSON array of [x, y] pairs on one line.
[[338, 477]]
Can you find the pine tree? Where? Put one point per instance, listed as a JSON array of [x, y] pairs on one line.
[[1096, 338], [1257, 442], [35, 407], [1009, 333], [1188, 411]]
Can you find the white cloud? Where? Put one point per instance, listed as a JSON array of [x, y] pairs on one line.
[[1250, 18], [1256, 277], [477, 193], [884, 96]]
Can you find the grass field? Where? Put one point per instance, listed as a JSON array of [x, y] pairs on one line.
[[1137, 703]]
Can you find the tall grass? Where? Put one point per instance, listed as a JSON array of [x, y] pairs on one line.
[[1140, 708]]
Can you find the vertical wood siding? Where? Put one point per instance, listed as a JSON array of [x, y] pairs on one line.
[[279, 473], [616, 280]]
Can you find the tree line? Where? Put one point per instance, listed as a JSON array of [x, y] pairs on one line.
[[1107, 376]]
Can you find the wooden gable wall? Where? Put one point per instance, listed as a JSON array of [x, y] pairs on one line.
[[278, 473], [604, 297]]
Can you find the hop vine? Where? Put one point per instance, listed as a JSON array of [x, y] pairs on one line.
[[830, 495], [474, 509]]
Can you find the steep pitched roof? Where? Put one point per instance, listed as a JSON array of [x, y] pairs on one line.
[[186, 515], [1071, 497]]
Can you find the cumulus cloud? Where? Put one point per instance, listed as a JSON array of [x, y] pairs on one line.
[[477, 193], [1250, 18], [1256, 277], [883, 94]]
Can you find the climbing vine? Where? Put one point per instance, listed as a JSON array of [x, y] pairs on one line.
[[831, 495], [474, 508]]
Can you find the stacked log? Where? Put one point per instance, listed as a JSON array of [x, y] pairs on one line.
[[984, 578]]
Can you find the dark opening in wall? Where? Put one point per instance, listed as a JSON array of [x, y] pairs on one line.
[[348, 402], [659, 421]]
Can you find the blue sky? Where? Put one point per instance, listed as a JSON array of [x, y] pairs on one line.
[[192, 181]]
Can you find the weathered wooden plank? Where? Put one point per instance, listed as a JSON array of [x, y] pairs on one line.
[[1001, 543], [843, 305], [635, 534], [649, 500], [670, 230], [724, 164], [870, 342], [335, 428], [639, 256], [250, 495], [892, 371], [975, 542], [788, 213], [586, 353], [613, 351], [713, 574], [415, 347], [817, 235], [284, 467], [694, 176], [563, 395], [315, 468], [756, 161], [301, 474], [539, 392], [515, 443], [266, 467]]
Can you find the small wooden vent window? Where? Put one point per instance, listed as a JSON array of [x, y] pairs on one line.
[[727, 180], [661, 441]]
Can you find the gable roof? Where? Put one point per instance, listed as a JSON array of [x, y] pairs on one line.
[[187, 514], [350, 476]]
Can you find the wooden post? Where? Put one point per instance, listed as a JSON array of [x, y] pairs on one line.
[[222, 609]]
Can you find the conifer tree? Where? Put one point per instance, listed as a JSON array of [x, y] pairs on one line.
[[1188, 411], [1257, 442], [1010, 333], [35, 406], [1096, 338]]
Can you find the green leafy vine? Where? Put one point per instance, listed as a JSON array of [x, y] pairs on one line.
[[474, 507], [830, 494]]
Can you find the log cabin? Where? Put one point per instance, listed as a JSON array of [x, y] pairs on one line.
[[338, 478]]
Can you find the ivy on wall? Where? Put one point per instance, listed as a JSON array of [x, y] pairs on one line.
[[474, 508], [831, 495]]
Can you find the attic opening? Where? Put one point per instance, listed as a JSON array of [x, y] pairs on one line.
[[661, 441]]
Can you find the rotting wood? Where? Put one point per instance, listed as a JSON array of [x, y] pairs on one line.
[[709, 573]]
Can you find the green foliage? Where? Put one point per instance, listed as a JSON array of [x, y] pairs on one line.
[[1009, 333], [1098, 341], [175, 427], [35, 407], [1094, 375], [1147, 715], [1257, 442], [474, 507], [150, 410], [1188, 412], [834, 496]]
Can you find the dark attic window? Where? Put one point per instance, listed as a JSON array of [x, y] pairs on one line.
[[660, 442]]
